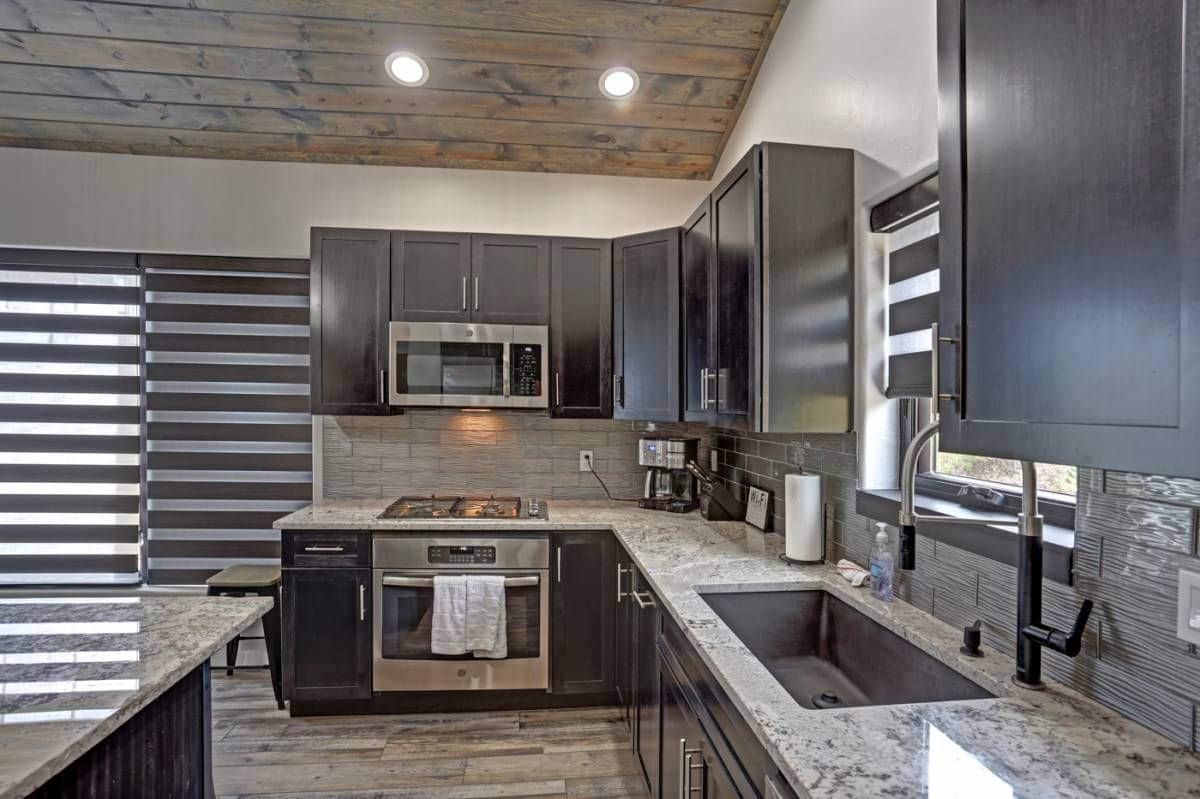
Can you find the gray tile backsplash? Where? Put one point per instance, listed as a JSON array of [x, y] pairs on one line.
[[450, 451], [1133, 534]]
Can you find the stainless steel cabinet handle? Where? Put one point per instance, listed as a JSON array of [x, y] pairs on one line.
[[643, 599], [464, 292], [383, 387], [713, 398], [477, 292], [322, 548], [704, 388], [620, 571], [362, 602], [557, 391], [559, 559], [690, 765]]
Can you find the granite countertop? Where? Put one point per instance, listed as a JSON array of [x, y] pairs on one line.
[[73, 669], [1022, 743]]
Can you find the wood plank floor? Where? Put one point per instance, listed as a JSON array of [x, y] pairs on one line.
[[259, 751]]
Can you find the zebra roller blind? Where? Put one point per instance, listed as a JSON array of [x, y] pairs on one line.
[[913, 286], [229, 436], [70, 417]]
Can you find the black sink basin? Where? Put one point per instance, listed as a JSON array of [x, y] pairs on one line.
[[828, 655]]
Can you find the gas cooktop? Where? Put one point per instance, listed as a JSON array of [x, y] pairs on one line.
[[490, 507]]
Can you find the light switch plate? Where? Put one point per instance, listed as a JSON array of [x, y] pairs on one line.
[[1189, 606], [756, 507]]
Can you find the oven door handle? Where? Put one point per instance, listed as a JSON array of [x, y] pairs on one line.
[[427, 582]]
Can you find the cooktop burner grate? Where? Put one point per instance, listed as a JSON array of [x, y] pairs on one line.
[[436, 507]]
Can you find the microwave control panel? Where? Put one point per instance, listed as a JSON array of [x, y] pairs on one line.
[[443, 554], [527, 370]]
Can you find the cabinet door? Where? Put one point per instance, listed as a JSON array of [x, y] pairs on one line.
[[431, 277], [626, 642], [646, 327], [583, 628], [681, 742], [735, 220], [510, 280], [326, 634], [696, 250], [1070, 190], [348, 309], [647, 719], [581, 328]]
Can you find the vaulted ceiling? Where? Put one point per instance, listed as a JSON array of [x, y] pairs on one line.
[[513, 84]]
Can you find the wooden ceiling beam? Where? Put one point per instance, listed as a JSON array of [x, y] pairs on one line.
[[326, 149], [272, 32], [332, 123], [339, 68], [199, 90], [597, 18]]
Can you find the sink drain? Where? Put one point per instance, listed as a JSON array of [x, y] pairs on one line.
[[826, 699]]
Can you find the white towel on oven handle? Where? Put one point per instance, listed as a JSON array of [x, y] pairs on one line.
[[449, 628], [487, 622]]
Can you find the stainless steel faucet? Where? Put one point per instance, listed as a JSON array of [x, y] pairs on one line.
[[1032, 635]]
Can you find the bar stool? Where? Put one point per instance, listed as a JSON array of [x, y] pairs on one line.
[[253, 581]]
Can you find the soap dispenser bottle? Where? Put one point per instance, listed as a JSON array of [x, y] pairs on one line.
[[882, 565]]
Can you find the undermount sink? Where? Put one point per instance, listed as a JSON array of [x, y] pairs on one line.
[[826, 654]]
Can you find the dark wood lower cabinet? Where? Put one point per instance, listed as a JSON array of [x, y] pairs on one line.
[[583, 598], [326, 634]]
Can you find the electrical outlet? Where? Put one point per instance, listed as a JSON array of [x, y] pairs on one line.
[[1189, 606], [586, 461], [712, 461]]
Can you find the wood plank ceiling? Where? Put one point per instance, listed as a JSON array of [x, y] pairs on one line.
[[513, 83]]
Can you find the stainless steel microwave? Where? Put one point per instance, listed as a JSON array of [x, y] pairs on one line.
[[458, 365]]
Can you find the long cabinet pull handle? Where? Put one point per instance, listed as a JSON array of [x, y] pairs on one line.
[[477, 292], [362, 602], [643, 599], [683, 770], [464, 293], [558, 557], [620, 571], [703, 388], [383, 393], [557, 391], [318, 548], [689, 766]]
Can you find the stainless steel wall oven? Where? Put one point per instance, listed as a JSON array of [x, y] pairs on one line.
[[404, 568]]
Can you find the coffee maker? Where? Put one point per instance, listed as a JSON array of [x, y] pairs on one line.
[[669, 484]]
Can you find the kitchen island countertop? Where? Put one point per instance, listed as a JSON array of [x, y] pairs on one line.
[[1021, 743], [73, 669]]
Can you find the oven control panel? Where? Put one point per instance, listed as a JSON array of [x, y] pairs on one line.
[[443, 554]]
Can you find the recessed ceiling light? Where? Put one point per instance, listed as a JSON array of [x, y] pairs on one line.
[[618, 82], [407, 69]]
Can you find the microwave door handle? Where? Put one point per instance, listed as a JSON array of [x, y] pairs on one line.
[[464, 299], [505, 366]]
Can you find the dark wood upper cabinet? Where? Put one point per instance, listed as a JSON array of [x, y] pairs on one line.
[[1070, 194], [646, 384], [510, 279], [348, 317], [581, 328], [431, 277], [696, 256], [326, 634], [768, 291], [733, 347], [584, 602]]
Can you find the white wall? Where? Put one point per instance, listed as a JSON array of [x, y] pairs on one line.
[[182, 205], [859, 74]]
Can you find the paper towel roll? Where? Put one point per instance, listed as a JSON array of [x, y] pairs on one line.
[[805, 537]]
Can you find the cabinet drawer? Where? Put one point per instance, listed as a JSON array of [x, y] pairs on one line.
[[325, 548]]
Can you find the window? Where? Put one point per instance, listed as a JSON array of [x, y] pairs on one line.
[[70, 418], [984, 483]]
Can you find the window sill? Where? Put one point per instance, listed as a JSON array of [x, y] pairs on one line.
[[996, 541]]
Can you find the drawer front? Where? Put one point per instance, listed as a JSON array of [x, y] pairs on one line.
[[325, 548]]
